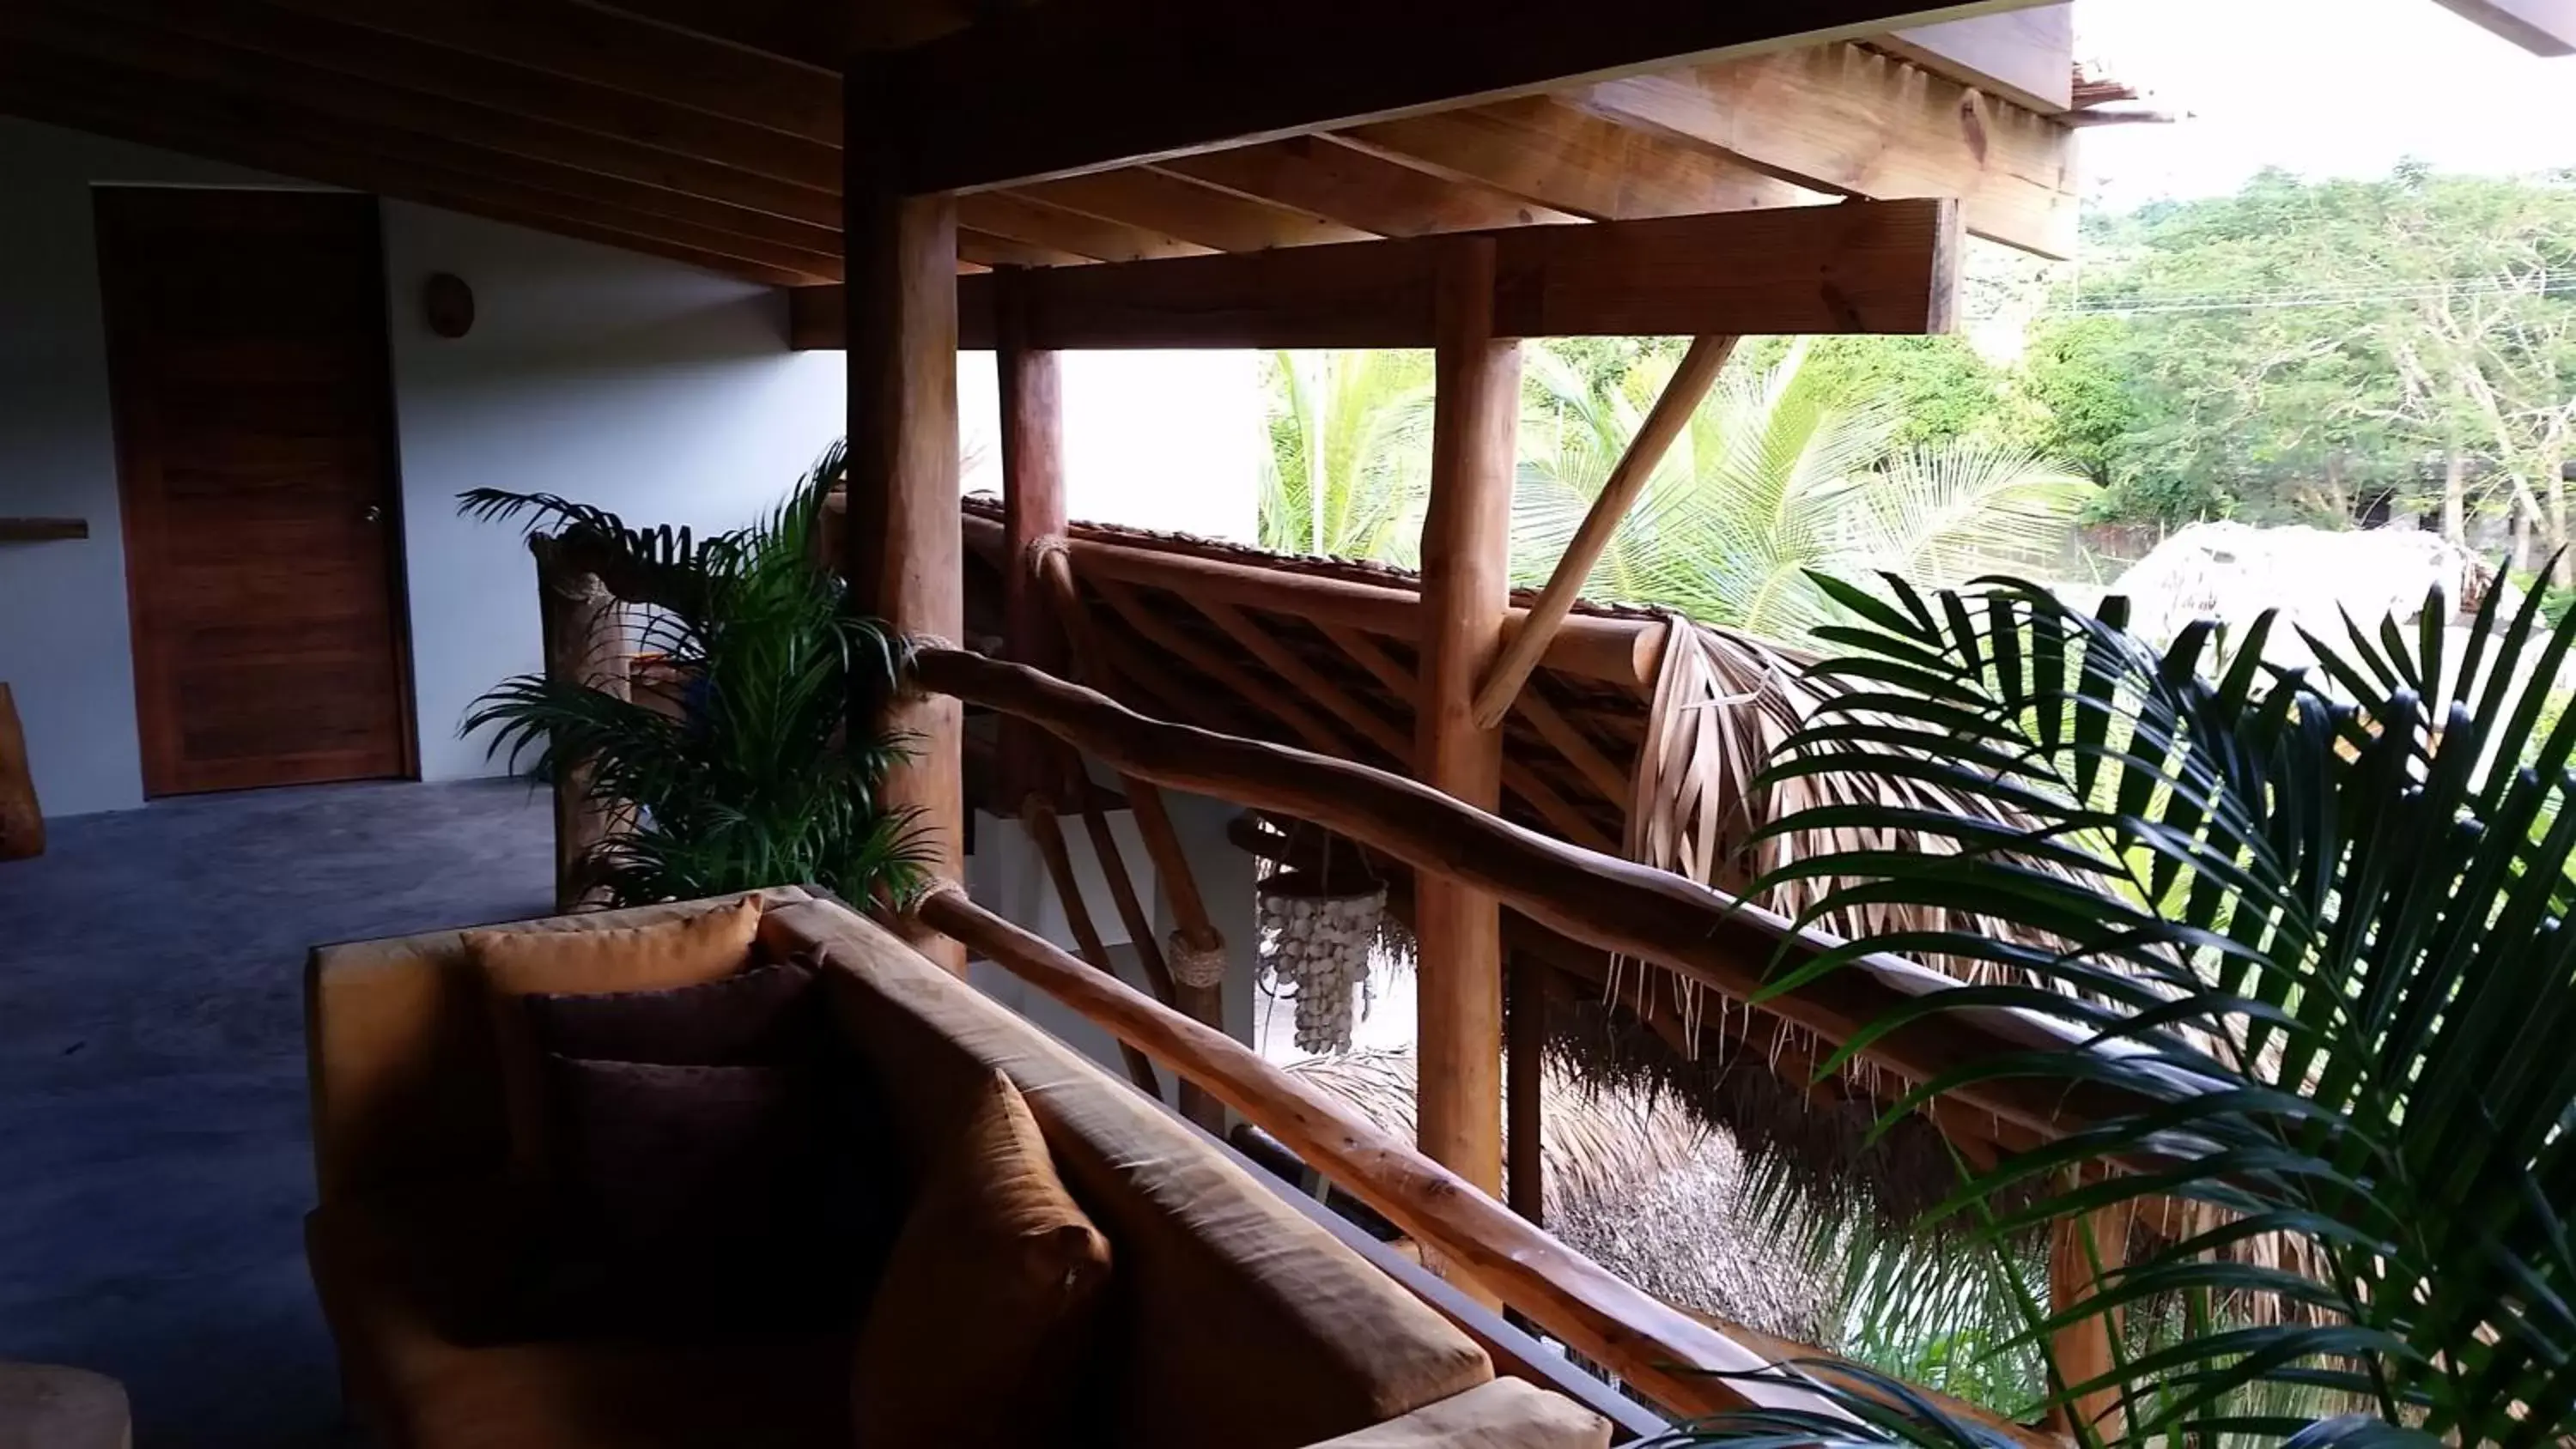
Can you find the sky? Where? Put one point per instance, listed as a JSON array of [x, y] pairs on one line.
[[2321, 87]]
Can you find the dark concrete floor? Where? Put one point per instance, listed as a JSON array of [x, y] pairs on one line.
[[154, 1163]]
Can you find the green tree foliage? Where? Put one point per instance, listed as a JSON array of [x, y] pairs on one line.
[[1797, 467], [2290, 351], [1856, 453], [1349, 466]]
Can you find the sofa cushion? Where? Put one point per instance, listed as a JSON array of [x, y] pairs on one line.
[[376, 1269], [765, 1016], [1231, 1319], [980, 1328], [519, 964]]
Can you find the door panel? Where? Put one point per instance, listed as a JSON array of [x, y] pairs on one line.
[[247, 349]]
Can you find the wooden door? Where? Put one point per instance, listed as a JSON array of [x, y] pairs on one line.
[[247, 355]]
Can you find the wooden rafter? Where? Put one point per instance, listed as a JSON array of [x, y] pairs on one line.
[[1569, 741], [90, 102], [1850, 120], [222, 73], [1351, 186], [1025, 219], [1284, 662], [603, 47], [1244, 684], [1663, 426], [405, 64], [1551, 154], [1179, 207]]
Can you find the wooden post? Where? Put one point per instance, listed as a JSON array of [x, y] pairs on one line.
[[2083, 1352], [1525, 1086], [1033, 521], [906, 557], [585, 644], [1466, 588]]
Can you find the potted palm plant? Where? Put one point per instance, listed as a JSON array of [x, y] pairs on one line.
[[2315, 923], [755, 766]]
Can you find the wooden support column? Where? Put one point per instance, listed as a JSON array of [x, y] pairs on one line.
[[1525, 1087], [585, 644], [1466, 588], [906, 558], [1033, 523], [2081, 1249]]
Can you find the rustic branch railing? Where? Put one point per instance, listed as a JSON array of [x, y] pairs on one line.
[[1665, 1354], [1615, 905]]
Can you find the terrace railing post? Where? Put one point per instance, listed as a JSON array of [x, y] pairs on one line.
[[905, 554], [1033, 517], [1466, 595]]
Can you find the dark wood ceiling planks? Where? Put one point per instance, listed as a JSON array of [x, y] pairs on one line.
[[710, 132]]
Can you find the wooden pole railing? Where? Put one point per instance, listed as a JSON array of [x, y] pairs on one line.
[[1664, 1353], [1599, 900]]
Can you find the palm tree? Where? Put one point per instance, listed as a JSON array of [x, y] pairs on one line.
[[754, 780], [2310, 934], [1349, 464], [1775, 477]]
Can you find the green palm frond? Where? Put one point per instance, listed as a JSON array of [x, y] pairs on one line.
[[2313, 925], [760, 780], [1777, 477]]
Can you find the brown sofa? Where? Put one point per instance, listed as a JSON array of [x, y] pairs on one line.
[[1233, 1321]]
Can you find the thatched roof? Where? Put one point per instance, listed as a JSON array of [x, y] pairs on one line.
[[1637, 1183], [1674, 748]]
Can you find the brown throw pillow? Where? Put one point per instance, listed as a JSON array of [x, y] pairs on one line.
[[766, 1016], [981, 1324], [518, 964]]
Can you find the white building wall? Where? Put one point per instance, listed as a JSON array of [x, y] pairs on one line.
[[655, 390]]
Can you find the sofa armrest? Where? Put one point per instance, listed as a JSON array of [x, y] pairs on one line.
[[1502, 1414]]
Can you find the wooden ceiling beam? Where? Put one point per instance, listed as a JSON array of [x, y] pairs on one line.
[[1176, 207], [1357, 188], [70, 91], [1049, 90], [1854, 267], [989, 250], [1551, 154], [86, 107], [623, 52], [222, 126], [1849, 120], [250, 75], [1019, 218], [498, 85]]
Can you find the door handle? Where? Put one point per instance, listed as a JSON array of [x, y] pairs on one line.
[[375, 513]]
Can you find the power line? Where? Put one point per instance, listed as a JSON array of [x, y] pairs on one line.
[[2292, 301]]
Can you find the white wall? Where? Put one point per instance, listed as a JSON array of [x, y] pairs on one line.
[[64, 645], [655, 390], [661, 393], [658, 391]]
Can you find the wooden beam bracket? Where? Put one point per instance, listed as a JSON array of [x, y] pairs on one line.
[[1663, 426]]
